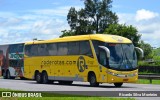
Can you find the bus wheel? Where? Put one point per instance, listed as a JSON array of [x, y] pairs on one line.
[[92, 80], [45, 78], [118, 84], [38, 78]]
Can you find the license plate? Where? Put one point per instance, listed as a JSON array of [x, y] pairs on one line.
[[125, 79]]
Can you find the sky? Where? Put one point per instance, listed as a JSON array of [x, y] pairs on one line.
[[24, 20]]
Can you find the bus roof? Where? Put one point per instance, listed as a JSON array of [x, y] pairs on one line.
[[101, 37]]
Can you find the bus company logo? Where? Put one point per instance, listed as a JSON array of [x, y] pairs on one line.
[[117, 38], [81, 64]]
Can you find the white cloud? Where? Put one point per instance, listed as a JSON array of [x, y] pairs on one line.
[[3, 33], [123, 17], [59, 11], [42, 24], [149, 27], [145, 15]]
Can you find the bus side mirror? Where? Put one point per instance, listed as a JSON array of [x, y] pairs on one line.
[[106, 50], [140, 50]]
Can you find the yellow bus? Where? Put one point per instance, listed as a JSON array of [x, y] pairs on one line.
[[96, 58]]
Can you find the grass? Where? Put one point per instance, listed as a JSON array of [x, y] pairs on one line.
[[77, 98], [146, 81], [68, 98], [146, 73], [60, 97]]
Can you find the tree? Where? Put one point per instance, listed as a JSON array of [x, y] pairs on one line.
[[67, 33], [147, 50], [129, 32], [96, 16]]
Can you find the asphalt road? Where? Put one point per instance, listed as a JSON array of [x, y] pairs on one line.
[[82, 87]]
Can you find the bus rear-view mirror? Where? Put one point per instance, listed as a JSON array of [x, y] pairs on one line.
[[106, 50], [140, 50]]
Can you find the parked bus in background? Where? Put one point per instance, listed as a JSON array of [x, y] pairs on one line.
[[96, 58], [11, 60]]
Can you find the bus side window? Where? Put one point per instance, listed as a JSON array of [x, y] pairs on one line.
[[27, 50], [62, 49], [102, 57], [73, 48], [96, 44], [42, 50], [52, 49], [85, 48], [34, 50]]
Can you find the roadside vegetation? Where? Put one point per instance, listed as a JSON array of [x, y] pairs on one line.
[[150, 65], [146, 81]]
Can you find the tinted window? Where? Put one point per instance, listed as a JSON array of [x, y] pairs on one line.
[[52, 49], [13, 48], [34, 50], [27, 50], [62, 49], [70, 48], [31, 50], [42, 50], [85, 48], [102, 57], [73, 48], [96, 44]]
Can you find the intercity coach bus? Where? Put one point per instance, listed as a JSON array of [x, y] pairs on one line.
[[11, 60], [97, 58]]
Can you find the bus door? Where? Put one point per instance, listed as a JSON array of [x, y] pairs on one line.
[[103, 64]]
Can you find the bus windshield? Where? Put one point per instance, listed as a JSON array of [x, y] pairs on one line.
[[122, 56]]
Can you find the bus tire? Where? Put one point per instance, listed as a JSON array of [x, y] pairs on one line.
[[38, 77], [118, 84], [92, 80], [45, 78]]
